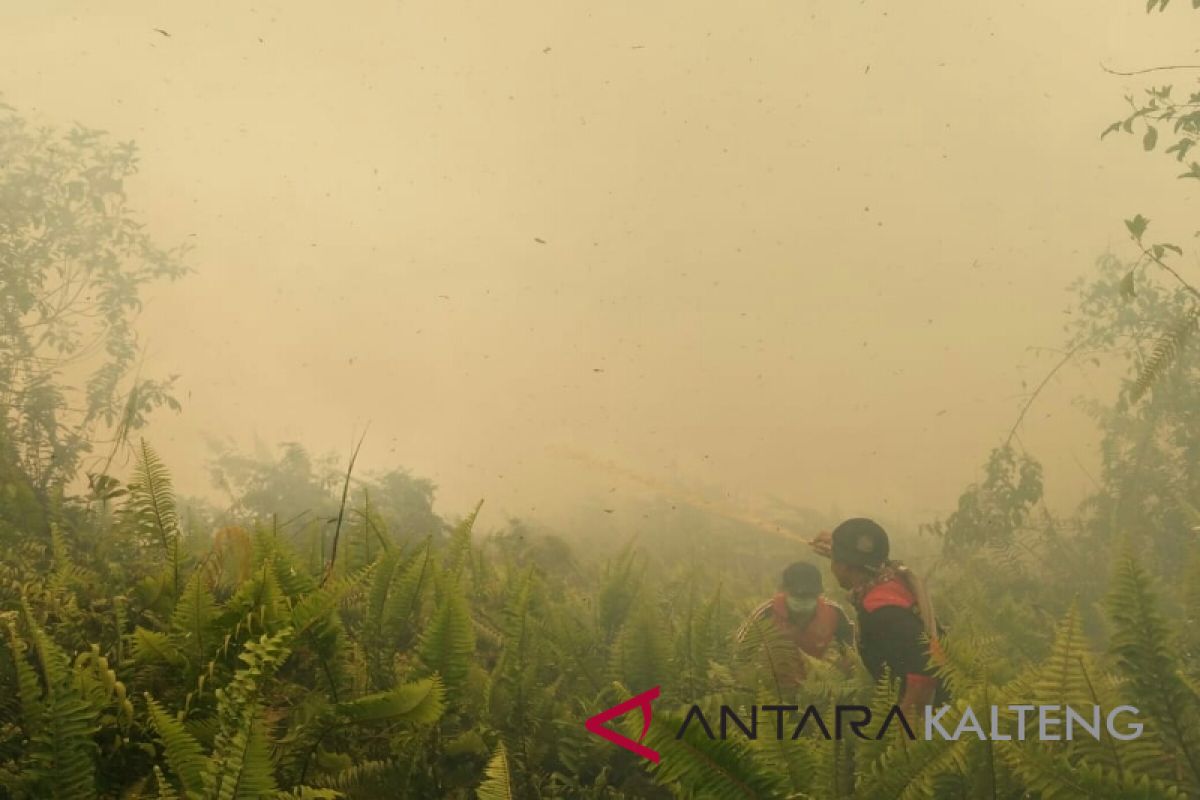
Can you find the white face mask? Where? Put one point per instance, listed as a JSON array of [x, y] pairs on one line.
[[801, 606]]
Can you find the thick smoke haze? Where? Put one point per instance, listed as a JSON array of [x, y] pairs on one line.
[[555, 252]]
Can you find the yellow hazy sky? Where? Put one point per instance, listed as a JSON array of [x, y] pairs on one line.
[[791, 249]]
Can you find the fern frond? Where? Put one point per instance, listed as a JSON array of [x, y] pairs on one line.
[[56, 668], [712, 768], [460, 542], [1141, 643], [192, 619], [183, 752], [404, 598], [798, 760], [152, 647], [971, 662], [309, 793], [357, 776], [622, 581], [29, 689], [1052, 776], [381, 584], [98, 685], [449, 641], [241, 766], [1063, 678], [696, 645], [517, 636], [293, 579], [776, 661], [65, 572], [151, 501], [61, 753], [165, 790], [498, 785], [246, 770], [421, 703], [642, 655], [906, 769], [1166, 350], [317, 606]]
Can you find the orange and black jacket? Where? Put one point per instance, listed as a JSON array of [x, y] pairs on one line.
[[890, 634]]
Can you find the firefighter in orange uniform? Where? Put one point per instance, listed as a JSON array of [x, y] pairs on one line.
[[802, 613]]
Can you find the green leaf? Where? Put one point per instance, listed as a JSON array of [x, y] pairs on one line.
[[1181, 147], [1116, 126], [1150, 138], [1137, 226]]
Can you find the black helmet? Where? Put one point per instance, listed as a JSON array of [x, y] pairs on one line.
[[860, 542], [802, 579]]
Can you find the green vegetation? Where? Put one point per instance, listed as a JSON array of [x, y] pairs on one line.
[[328, 635], [141, 660]]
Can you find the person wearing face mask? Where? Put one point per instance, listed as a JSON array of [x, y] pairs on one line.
[[802, 613]]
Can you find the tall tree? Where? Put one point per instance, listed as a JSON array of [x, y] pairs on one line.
[[74, 260]]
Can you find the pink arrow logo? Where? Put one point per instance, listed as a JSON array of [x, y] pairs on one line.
[[596, 724]]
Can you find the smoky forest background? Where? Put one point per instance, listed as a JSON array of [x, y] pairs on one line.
[[300, 626]]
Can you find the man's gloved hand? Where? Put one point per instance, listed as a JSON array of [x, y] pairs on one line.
[[822, 544]]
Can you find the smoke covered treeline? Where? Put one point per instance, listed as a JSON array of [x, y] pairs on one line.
[[319, 632]]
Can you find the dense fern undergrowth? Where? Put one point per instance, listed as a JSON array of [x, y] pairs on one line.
[[147, 657], [323, 637]]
